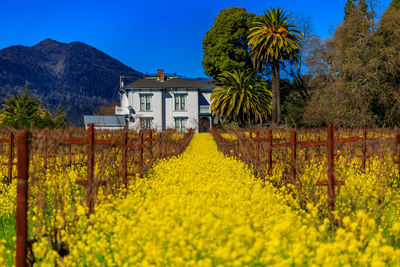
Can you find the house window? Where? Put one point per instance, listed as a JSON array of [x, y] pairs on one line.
[[180, 124], [145, 103], [180, 102], [145, 123]]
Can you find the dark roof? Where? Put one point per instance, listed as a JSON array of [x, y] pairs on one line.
[[170, 83], [112, 121]]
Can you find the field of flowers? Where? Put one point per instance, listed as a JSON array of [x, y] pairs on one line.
[[203, 208]]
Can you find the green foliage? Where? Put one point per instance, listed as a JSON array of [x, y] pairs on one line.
[[274, 38], [241, 97], [225, 44], [24, 111], [7, 233], [294, 96]]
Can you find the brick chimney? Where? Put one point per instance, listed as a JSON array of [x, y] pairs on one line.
[[160, 73]]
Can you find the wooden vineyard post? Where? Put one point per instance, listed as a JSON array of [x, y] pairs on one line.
[[293, 157], [22, 198], [330, 145], [124, 156], [10, 156], [364, 149], [90, 168], [269, 151], [331, 183]]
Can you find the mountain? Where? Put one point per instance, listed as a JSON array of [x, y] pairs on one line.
[[75, 75]]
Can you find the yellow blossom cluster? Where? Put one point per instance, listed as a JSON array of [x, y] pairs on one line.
[[205, 209]]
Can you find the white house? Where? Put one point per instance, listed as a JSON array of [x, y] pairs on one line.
[[165, 101]]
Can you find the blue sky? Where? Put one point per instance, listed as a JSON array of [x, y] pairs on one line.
[[144, 35]]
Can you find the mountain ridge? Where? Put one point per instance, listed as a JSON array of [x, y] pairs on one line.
[[76, 75]]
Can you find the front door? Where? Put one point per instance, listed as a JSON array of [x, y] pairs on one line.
[[204, 124]]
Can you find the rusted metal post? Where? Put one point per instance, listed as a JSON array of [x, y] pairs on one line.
[[269, 150], [124, 156], [22, 198], [10, 156], [330, 146], [364, 149], [90, 168], [293, 157]]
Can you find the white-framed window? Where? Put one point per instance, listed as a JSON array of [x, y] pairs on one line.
[[180, 102], [180, 124], [145, 102], [145, 122]]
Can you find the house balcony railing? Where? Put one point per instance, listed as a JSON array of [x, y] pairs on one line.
[[121, 110], [205, 109]]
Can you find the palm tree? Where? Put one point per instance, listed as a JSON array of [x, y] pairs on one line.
[[241, 97], [274, 39]]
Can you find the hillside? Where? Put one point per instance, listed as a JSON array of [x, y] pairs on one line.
[[75, 75]]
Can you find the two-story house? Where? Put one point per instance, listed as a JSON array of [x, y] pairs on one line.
[[165, 101]]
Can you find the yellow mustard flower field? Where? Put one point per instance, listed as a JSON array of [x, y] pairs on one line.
[[203, 208]]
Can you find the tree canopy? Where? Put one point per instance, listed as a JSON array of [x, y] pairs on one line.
[[225, 44], [241, 97], [362, 71]]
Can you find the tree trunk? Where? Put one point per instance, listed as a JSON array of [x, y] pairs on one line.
[[276, 96]]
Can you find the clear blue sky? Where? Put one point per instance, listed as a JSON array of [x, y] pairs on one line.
[[144, 35]]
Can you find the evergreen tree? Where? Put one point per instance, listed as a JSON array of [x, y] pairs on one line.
[[24, 111], [20, 111]]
